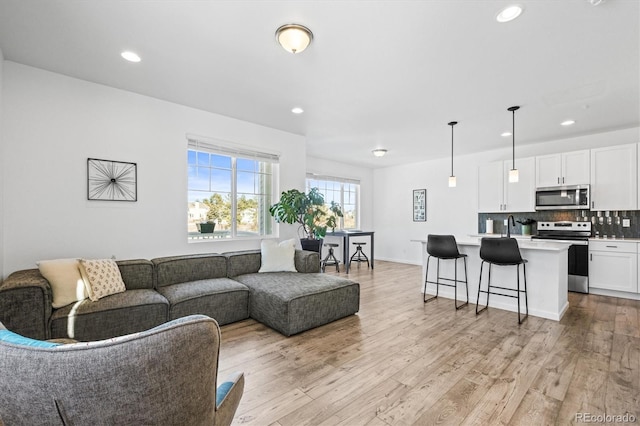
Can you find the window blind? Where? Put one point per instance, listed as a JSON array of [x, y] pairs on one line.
[[221, 148]]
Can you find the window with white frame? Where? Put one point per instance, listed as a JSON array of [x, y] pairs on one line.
[[343, 191], [229, 191]]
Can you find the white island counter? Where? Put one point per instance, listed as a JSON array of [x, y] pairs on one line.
[[547, 276]]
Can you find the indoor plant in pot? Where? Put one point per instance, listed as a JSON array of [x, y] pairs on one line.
[[309, 211], [526, 225]]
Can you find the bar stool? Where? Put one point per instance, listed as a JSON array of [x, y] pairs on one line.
[[503, 252], [331, 258], [445, 247], [359, 255]]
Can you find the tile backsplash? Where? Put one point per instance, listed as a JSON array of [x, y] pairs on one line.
[[607, 224]]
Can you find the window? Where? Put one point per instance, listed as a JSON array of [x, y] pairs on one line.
[[225, 183], [344, 192]]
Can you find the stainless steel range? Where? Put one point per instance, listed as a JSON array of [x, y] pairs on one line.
[[577, 234]]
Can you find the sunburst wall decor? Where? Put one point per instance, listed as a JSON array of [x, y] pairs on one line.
[[111, 180]]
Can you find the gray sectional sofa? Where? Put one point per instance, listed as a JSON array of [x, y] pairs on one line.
[[226, 287]]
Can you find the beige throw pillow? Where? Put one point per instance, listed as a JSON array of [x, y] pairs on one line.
[[278, 257], [102, 277], [66, 282]]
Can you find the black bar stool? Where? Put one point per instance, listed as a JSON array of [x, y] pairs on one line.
[[331, 258], [445, 247], [359, 255], [503, 252]]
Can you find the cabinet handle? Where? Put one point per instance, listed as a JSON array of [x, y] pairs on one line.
[[612, 246], [591, 257], [558, 180], [563, 180], [593, 204]]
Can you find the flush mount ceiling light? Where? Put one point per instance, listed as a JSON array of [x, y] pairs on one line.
[[509, 13], [595, 2], [513, 173], [505, 134], [297, 110], [379, 152], [130, 56], [568, 123], [294, 38], [452, 178]]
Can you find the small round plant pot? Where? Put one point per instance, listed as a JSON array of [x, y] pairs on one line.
[[526, 229]]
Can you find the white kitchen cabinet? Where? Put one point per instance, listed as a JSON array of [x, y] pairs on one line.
[[613, 265], [568, 168], [491, 187], [614, 180], [497, 194]]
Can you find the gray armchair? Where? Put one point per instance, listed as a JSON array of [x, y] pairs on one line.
[[163, 376]]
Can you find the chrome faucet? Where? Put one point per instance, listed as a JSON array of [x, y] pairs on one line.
[[510, 221]]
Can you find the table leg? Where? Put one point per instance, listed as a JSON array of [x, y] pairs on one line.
[[371, 251], [347, 260]]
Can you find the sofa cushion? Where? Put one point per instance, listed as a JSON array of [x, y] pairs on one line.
[[193, 267], [222, 299], [101, 277], [115, 315], [248, 262], [277, 257], [137, 273], [67, 285], [291, 302]]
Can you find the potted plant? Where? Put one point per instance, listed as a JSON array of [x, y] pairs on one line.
[[526, 225], [206, 227], [309, 211]]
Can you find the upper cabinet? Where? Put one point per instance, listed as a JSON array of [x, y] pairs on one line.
[[569, 168], [614, 180], [497, 194]]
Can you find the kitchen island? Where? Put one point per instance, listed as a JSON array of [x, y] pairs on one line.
[[547, 277]]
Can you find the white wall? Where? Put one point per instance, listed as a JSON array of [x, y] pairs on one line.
[[451, 210], [2, 168], [365, 176], [53, 123]]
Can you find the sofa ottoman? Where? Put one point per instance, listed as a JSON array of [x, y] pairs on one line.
[[292, 302], [198, 284]]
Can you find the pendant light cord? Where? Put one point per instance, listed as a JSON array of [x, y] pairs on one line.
[[513, 110], [452, 123]]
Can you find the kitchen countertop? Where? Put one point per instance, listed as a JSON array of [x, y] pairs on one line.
[[522, 244], [617, 240]]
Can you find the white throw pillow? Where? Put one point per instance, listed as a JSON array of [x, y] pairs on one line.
[[278, 257], [102, 277], [66, 282]]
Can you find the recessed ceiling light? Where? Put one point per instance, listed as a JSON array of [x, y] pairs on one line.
[[509, 13], [379, 152], [130, 56], [297, 110], [568, 122], [505, 134]]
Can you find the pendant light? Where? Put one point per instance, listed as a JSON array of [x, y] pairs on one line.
[[452, 178], [513, 173]]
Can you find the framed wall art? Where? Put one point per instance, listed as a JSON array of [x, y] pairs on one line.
[[111, 180], [419, 205]]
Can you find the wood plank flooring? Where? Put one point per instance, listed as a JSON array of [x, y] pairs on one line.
[[402, 362]]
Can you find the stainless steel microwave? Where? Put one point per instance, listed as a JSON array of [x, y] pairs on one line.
[[575, 197]]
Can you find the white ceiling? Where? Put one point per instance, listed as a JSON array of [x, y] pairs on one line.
[[379, 74]]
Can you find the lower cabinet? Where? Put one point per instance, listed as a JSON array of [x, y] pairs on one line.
[[613, 266]]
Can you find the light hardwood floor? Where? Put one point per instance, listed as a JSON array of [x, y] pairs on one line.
[[402, 362]]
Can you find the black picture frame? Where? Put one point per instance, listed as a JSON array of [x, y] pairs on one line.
[[419, 205], [109, 180]]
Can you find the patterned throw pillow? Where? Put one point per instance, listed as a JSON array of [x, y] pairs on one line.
[[102, 277]]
